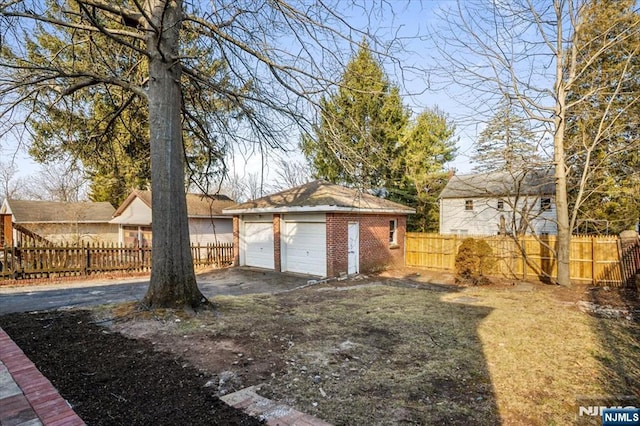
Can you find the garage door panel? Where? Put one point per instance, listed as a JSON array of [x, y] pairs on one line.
[[306, 248], [259, 244]]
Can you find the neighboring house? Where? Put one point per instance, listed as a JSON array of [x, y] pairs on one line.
[[60, 222], [499, 203], [207, 224], [320, 229]]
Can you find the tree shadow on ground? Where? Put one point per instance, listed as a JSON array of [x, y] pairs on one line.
[[616, 322], [395, 349]]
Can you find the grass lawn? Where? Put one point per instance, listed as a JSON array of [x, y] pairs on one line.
[[389, 351]]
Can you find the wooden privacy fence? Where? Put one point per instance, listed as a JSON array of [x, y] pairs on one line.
[[37, 262], [597, 260]]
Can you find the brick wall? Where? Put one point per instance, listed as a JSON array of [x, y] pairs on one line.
[[375, 251], [236, 241], [277, 259], [337, 243]]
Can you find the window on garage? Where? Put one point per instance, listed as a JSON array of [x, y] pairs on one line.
[[393, 231]]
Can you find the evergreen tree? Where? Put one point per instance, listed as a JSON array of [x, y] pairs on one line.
[[537, 53], [428, 144], [106, 126], [365, 139], [507, 143], [360, 127], [603, 130], [211, 74]]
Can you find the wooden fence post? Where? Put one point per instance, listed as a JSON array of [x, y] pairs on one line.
[[621, 262], [85, 259], [593, 261], [523, 243], [14, 264], [454, 252]]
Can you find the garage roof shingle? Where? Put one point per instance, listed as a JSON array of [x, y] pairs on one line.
[[35, 211], [319, 195], [198, 205], [529, 182]]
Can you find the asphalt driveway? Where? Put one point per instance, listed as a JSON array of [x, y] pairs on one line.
[[228, 281]]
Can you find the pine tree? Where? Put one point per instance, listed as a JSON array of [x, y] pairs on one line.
[[360, 127], [603, 131], [428, 144], [365, 139], [211, 75], [507, 143], [106, 127]]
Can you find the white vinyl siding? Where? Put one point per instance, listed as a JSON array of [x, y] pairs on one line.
[[484, 219], [210, 231]]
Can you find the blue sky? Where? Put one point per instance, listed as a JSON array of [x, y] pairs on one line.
[[410, 55], [408, 23]]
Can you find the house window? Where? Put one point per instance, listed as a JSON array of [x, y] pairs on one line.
[[500, 205], [393, 231], [545, 204], [468, 205], [136, 236]]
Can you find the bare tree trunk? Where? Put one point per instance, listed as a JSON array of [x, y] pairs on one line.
[[96, 46], [559, 120], [173, 282], [562, 204]]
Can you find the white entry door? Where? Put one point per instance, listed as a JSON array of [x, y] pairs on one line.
[[353, 248]]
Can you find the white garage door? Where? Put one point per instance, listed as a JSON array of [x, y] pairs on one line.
[[305, 248], [258, 237]]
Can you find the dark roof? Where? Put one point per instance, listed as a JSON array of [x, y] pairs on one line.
[[529, 182], [197, 204], [319, 196], [34, 211]]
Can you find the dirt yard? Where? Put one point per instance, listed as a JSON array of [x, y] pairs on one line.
[[393, 349]]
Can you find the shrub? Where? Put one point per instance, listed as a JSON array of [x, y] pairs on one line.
[[474, 262]]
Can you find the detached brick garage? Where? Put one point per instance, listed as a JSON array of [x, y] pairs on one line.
[[320, 229]]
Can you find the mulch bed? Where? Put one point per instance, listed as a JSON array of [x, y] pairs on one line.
[[112, 380]]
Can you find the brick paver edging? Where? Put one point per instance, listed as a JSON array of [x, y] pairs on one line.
[[38, 399], [275, 414]]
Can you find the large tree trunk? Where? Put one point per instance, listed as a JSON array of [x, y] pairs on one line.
[[560, 116], [562, 209], [173, 282]]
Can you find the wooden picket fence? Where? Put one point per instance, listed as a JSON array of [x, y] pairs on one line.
[[597, 260], [218, 255], [47, 261]]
